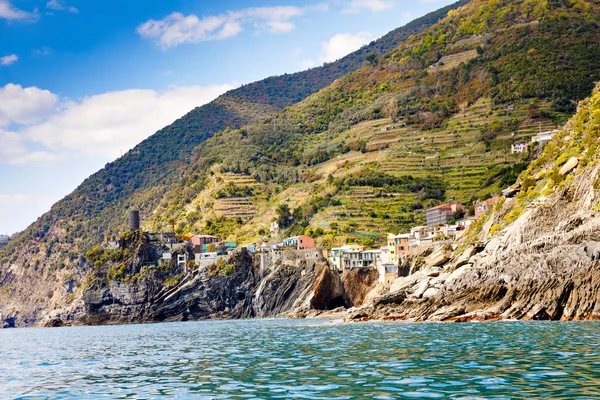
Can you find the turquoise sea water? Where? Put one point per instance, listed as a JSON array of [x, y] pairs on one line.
[[304, 359]]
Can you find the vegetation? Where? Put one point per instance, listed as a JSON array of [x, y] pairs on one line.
[[406, 132], [431, 116], [151, 173]]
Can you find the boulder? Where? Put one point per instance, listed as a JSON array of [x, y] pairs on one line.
[[431, 292], [569, 166], [391, 298], [464, 258], [421, 288], [458, 273], [439, 256]]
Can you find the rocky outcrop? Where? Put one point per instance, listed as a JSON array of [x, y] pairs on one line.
[[569, 166], [239, 289], [536, 257], [532, 271], [357, 283], [440, 256]]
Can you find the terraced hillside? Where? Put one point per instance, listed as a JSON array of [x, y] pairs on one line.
[[46, 262], [431, 120]]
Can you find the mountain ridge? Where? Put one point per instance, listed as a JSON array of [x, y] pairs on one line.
[[465, 89], [53, 247], [430, 119]]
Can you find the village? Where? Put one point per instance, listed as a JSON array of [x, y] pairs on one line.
[[444, 224]]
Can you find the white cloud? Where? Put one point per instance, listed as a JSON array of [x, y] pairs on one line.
[[15, 151], [54, 5], [102, 125], [105, 124], [176, 28], [343, 44], [59, 6], [10, 59], [10, 12], [25, 105], [355, 6]]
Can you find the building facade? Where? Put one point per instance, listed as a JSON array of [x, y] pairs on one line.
[[483, 206], [299, 242], [518, 148], [336, 255], [442, 214], [361, 259], [200, 242]]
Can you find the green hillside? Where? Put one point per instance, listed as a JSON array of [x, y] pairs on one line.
[[47, 259], [430, 120]]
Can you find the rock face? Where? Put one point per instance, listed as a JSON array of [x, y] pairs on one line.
[[535, 257], [537, 269], [244, 292], [357, 283], [440, 256], [543, 265]]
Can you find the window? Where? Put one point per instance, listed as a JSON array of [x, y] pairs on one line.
[[402, 248]]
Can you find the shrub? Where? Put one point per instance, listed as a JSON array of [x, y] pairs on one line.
[[496, 228]]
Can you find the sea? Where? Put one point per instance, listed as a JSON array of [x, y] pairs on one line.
[[303, 359]]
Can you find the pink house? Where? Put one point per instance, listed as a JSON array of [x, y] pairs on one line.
[[199, 240], [483, 206]]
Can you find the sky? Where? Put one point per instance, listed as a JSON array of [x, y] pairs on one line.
[[83, 81]]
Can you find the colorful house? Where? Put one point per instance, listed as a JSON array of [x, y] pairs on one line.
[[398, 246], [200, 242], [518, 148], [402, 245], [299, 242], [361, 259], [336, 255], [442, 214], [483, 206]]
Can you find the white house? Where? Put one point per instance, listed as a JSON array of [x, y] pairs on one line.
[[518, 148], [544, 138], [337, 253]]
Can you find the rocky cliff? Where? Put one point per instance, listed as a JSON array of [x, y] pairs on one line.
[[128, 291], [535, 256]]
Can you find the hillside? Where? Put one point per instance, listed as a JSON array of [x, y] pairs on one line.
[[46, 262], [538, 255], [432, 119]]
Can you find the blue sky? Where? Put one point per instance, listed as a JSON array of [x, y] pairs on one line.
[[82, 81]]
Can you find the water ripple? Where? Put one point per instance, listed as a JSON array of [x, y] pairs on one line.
[[283, 359]]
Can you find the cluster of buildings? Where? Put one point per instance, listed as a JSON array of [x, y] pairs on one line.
[[441, 226], [191, 250], [543, 138]]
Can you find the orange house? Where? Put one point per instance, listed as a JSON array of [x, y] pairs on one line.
[[199, 240], [402, 244]]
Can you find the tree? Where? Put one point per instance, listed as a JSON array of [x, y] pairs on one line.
[[371, 58], [284, 216], [392, 110]]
